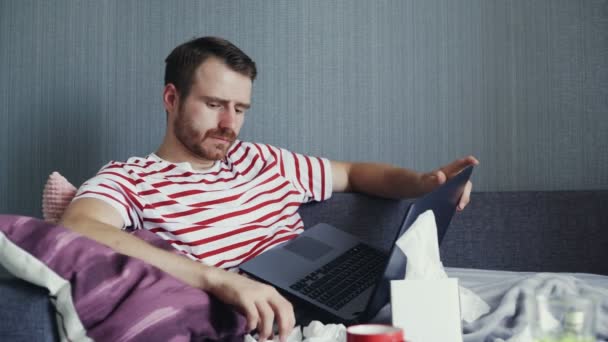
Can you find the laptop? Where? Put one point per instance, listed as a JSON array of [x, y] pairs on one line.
[[345, 278]]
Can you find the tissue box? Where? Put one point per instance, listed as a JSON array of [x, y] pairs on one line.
[[427, 310]]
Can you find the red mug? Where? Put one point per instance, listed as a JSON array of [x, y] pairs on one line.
[[374, 333]]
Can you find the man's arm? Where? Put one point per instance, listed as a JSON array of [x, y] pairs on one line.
[[393, 182], [260, 303], [101, 222]]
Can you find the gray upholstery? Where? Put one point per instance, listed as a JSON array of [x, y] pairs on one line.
[[562, 231], [523, 231], [26, 313]]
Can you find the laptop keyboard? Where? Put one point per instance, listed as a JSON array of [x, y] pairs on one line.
[[344, 278]]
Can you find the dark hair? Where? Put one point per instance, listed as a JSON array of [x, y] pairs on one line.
[[184, 59]]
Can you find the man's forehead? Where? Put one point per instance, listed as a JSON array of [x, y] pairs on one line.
[[214, 68], [216, 79]]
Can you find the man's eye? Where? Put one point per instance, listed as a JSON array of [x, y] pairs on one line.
[[240, 111], [213, 104]]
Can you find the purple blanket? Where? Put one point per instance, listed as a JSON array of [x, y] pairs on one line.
[[106, 296]]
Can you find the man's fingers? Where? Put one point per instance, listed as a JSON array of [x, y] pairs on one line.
[[251, 312], [285, 316], [432, 180], [440, 177], [266, 319], [456, 166], [466, 196]]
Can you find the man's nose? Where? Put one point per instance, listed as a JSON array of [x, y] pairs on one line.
[[228, 117]]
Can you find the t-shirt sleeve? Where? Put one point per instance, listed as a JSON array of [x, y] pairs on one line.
[[310, 175], [115, 187]]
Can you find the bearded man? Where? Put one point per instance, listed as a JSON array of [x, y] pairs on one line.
[[218, 200]]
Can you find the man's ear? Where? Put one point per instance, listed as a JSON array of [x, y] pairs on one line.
[[170, 98]]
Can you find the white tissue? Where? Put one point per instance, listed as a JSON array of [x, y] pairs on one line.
[[420, 244], [313, 332], [318, 332], [295, 336], [472, 306]]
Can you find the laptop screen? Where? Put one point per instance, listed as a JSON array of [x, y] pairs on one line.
[[443, 202]]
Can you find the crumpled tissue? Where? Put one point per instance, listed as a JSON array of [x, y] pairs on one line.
[[420, 244], [313, 332]]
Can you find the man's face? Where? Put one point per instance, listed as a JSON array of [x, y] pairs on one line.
[[209, 120]]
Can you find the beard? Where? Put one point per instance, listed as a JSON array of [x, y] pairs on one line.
[[198, 143]]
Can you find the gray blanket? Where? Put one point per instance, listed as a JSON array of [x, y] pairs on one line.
[[509, 316], [507, 294]]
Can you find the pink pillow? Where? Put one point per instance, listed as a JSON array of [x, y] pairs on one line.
[[57, 194]]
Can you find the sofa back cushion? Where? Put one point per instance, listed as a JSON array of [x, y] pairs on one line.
[[560, 231]]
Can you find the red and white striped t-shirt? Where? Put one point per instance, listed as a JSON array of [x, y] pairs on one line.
[[222, 216]]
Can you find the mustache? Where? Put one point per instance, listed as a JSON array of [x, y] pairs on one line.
[[223, 133]]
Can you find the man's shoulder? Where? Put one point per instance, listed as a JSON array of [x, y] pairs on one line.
[[245, 150], [256, 148], [132, 165]]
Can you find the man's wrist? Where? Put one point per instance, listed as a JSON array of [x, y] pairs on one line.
[[410, 183], [208, 277], [419, 186]]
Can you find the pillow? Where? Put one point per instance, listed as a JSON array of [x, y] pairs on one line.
[[56, 197], [102, 295]]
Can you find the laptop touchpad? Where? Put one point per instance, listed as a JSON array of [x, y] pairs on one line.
[[308, 248]]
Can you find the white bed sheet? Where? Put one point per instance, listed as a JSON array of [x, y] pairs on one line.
[[504, 291], [490, 285]]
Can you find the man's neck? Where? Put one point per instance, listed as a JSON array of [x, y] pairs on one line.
[[175, 152]]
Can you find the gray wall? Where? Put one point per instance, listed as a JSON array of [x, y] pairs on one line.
[[521, 84]]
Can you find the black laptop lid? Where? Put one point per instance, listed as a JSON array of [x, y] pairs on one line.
[[443, 202]]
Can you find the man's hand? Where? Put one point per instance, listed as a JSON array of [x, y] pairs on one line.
[[260, 303], [394, 182], [431, 180]]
